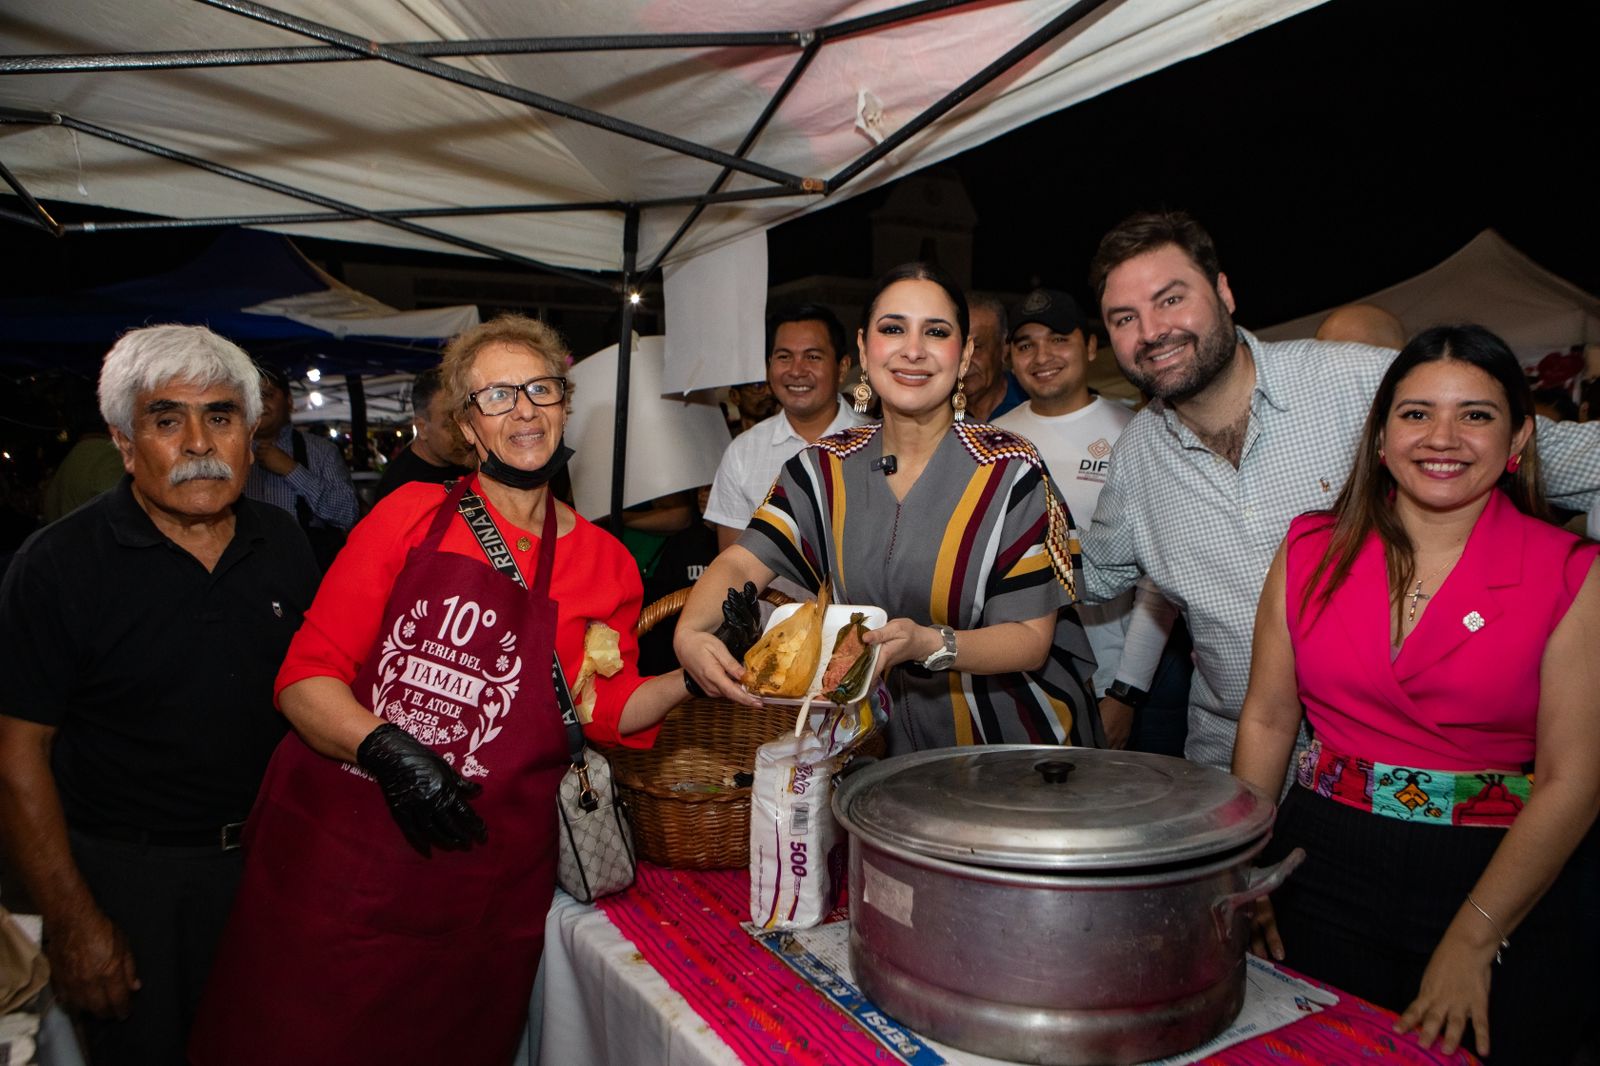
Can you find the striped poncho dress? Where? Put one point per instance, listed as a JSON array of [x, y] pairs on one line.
[[980, 538]]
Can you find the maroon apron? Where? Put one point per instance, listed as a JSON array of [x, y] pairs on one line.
[[345, 945]]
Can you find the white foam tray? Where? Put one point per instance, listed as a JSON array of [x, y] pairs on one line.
[[834, 620]]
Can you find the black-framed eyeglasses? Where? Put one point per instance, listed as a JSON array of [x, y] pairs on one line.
[[499, 399]]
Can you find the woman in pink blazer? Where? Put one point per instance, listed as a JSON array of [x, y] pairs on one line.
[[1444, 644]]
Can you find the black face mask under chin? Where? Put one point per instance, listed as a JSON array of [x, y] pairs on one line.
[[512, 477]]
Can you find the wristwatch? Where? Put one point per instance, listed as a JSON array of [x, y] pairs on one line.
[[945, 657], [1123, 692]]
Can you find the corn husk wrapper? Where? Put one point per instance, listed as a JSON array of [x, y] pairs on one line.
[[783, 662], [851, 678], [601, 655]]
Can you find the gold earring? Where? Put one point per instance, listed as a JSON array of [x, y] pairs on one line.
[[862, 394], [959, 401]]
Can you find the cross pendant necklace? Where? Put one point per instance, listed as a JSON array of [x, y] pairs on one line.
[[1417, 594]]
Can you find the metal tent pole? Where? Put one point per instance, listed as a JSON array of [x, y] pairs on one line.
[[330, 217], [538, 101], [789, 82], [38, 216], [9, 115], [619, 442], [954, 97], [183, 59], [356, 394]]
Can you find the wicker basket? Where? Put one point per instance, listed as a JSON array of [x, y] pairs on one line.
[[687, 807]]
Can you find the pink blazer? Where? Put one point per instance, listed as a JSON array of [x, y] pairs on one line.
[[1463, 694]]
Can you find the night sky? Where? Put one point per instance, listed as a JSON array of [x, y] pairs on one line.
[[1331, 155]]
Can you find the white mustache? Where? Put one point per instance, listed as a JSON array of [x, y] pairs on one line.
[[207, 466]]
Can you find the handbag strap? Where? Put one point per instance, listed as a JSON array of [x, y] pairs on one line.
[[453, 490], [477, 517], [302, 509], [588, 798]]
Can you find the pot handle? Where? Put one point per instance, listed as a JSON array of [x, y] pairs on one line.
[[1262, 881]]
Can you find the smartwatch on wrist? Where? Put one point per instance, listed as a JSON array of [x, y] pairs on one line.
[[945, 657], [1123, 692]]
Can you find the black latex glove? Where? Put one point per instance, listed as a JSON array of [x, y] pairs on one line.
[[425, 794], [740, 629], [741, 620]]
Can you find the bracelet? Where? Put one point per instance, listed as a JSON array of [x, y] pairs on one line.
[[1504, 943]]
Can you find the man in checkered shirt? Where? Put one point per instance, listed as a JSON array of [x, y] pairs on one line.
[[1241, 436]]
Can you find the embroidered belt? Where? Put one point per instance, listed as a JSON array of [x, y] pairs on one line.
[[1411, 794]]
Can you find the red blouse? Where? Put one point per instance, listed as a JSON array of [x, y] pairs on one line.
[[595, 580]]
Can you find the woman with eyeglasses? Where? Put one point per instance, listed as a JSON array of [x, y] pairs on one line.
[[402, 852]]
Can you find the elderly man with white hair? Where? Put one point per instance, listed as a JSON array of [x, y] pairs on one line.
[[139, 636]]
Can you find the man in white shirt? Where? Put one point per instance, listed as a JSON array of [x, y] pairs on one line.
[[806, 367], [1051, 347]]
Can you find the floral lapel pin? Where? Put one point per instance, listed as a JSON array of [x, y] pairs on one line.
[[1473, 621]]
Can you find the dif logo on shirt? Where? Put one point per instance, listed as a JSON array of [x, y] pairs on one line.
[[1095, 467]]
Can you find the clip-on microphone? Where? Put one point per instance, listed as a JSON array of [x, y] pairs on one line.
[[887, 464]]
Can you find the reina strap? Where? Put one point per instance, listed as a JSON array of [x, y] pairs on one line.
[[476, 514]]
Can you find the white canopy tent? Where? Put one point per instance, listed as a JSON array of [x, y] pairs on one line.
[[565, 134], [672, 444], [379, 129], [1493, 284]]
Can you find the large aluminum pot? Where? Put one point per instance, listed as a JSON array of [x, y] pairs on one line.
[[1054, 905]]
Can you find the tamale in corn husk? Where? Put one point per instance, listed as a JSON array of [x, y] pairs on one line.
[[783, 662], [848, 663]]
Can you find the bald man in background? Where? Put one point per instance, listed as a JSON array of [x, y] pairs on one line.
[[1363, 324]]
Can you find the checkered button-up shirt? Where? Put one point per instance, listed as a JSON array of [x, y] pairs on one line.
[[324, 482], [1206, 532]]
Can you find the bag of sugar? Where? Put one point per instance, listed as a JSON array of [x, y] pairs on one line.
[[797, 851]]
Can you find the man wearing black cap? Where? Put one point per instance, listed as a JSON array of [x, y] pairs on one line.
[[1051, 347]]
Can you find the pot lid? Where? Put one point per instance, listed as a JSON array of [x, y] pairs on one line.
[[1037, 807]]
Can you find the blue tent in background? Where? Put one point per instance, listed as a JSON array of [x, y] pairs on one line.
[[252, 287]]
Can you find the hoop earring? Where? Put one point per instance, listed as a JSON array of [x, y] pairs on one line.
[[862, 394], [959, 402], [1514, 463]]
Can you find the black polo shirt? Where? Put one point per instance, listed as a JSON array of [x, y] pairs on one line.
[[156, 673], [408, 466]]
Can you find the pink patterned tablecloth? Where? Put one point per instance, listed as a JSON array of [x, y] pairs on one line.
[[686, 924]]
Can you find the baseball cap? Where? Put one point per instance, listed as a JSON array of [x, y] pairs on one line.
[[1051, 308]]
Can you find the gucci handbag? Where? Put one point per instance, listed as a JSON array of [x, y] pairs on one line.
[[596, 840]]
